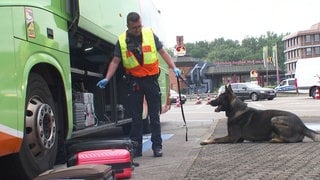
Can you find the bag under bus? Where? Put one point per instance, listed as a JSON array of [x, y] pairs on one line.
[[87, 172], [79, 145]]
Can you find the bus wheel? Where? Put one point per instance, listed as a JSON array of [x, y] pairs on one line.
[[40, 141]]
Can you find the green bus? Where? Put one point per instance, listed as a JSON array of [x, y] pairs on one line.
[[52, 54]]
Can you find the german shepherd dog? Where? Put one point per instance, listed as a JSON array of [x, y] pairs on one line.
[[246, 123]]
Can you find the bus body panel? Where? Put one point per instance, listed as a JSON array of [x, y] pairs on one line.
[[8, 86], [48, 38], [111, 21], [47, 29]]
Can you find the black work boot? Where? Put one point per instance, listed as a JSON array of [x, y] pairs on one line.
[[157, 152]]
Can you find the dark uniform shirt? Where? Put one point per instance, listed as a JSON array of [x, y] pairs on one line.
[[134, 45]]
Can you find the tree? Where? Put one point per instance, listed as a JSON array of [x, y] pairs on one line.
[[231, 50]]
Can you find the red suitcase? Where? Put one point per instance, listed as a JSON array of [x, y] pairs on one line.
[[119, 159], [75, 146]]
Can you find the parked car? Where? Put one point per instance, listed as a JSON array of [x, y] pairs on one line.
[[286, 85], [245, 91], [174, 95]]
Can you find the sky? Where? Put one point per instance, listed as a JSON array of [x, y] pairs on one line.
[[206, 20]]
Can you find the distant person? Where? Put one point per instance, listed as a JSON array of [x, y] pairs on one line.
[[296, 85], [137, 49]]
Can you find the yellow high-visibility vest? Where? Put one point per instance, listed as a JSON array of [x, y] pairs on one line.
[[150, 63]]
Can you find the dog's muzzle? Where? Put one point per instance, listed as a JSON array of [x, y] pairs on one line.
[[216, 102]]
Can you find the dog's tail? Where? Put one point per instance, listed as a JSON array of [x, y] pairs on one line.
[[315, 136]]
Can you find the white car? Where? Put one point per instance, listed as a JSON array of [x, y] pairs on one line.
[[174, 95]]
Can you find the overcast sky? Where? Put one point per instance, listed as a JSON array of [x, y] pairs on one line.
[[206, 20]]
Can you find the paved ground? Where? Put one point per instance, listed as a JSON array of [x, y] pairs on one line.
[[189, 160], [231, 161], [257, 161]]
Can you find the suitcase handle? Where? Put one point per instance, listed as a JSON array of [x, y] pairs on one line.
[[117, 171]]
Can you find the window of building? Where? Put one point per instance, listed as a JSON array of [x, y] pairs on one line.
[[317, 50], [290, 67], [290, 54], [308, 38], [308, 51], [316, 38], [296, 41]]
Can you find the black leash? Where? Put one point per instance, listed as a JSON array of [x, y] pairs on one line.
[[185, 82], [184, 119]]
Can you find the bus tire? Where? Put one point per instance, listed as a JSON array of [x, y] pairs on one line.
[[40, 142]]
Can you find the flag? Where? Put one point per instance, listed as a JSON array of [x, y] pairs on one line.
[[265, 55], [275, 62], [274, 55]]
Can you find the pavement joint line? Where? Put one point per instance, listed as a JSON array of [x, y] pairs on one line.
[[212, 128]]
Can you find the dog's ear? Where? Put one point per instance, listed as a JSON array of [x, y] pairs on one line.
[[229, 89]]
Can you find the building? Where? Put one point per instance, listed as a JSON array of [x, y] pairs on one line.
[[301, 45], [242, 71], [203, 77]]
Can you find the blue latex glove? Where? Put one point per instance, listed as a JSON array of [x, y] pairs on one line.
[[102, 83], [177, 72]]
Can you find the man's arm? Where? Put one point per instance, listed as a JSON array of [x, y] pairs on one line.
[[112, 67]]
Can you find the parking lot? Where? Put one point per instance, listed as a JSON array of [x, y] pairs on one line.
[[188, 160]]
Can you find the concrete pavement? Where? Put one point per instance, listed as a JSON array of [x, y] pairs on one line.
[[257, 160], [189, 160]]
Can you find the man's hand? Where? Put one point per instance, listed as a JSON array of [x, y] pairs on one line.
[[177, 72], [102, 83]]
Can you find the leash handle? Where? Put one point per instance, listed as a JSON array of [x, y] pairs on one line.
[[181, 106]]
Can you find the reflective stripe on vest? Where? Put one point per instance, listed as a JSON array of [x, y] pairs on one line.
[[150, 65]]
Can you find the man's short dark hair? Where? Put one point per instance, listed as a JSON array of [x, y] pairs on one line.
[[133, 17]]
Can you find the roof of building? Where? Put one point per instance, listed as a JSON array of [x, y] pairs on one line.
[[232, 69], [313, 29]]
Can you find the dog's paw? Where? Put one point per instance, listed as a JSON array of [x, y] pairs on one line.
[[210, 140], [277, 140], [317, 138], [203, 143]]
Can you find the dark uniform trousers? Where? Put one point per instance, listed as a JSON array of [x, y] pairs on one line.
[[138, 88]]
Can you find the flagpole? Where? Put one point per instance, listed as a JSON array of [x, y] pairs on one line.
[[275, 60], [267, 64], [265, 61]]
